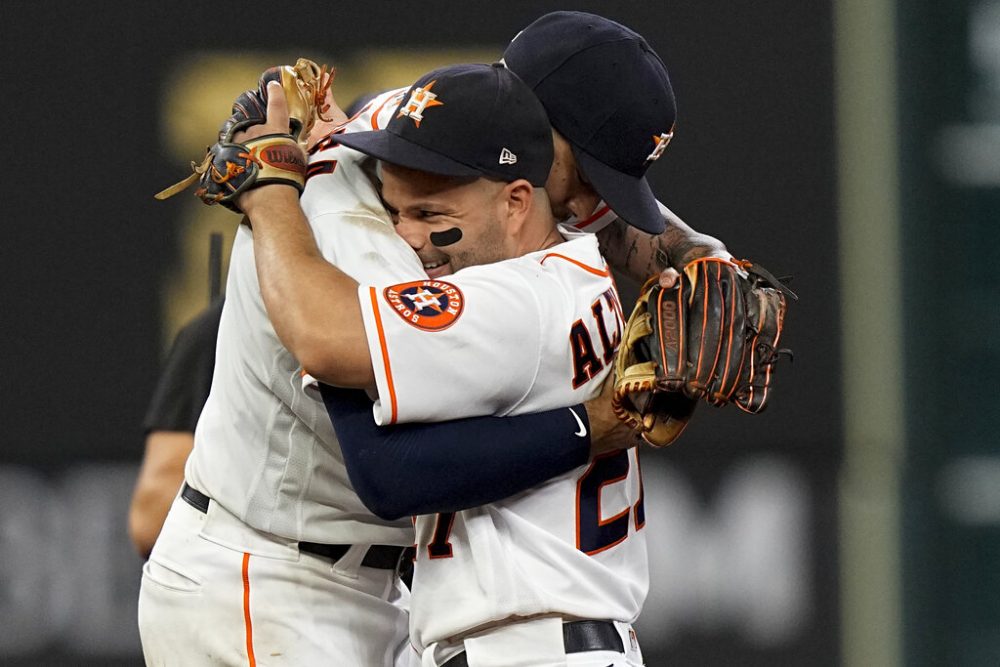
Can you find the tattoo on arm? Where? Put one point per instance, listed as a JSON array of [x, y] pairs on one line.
[[640, 255]]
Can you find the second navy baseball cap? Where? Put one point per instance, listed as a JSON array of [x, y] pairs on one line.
[[466, 120], [607, 92]]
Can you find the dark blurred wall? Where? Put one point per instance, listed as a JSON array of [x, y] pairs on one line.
[[950, 127], [84, 249]]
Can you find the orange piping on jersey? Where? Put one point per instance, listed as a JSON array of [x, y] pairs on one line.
[[597, 214], [357, 115], [588, 269], [385, 355], [382, 106], [246, 610]]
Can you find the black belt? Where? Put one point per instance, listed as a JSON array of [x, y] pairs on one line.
[[578, 637], [381, 556]]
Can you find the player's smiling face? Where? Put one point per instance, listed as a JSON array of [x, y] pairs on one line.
[[451, 223], [569, 191]]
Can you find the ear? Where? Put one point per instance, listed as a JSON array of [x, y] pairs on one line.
[[518, 196]]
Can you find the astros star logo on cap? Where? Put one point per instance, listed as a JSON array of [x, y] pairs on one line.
[[420, 100], [660, 144]]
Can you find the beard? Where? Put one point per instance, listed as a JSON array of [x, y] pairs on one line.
[[486, 248]]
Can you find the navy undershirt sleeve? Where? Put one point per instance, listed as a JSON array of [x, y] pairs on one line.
[[411, 469]]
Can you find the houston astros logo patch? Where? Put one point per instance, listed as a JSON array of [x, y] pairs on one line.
[[431, 305]]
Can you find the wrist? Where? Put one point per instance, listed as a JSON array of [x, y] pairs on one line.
[[257, 201]]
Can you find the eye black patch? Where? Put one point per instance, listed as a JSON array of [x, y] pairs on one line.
[[447, 237]]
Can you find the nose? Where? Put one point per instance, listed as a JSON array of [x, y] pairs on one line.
[[414, 233]]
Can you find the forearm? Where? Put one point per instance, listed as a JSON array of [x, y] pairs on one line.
[[160, 478], [639, 255], [418, 468], [312, 304]]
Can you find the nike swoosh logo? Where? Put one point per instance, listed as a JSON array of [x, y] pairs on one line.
[[583, 429]]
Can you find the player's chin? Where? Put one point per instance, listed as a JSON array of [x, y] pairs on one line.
[[438, 271], [560, 211]]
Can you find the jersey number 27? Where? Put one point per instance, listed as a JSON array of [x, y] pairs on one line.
[[594, 533]]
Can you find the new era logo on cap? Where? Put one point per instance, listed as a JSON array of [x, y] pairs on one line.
[[506, 157]]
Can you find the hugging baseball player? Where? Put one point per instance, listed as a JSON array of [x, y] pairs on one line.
[[269, 529], [515, 559], [268, 555], [495, 583]]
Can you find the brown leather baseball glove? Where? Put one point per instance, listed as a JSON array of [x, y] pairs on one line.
[[713, 336]]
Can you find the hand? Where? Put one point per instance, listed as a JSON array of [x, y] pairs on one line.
[[607, 432], [669, 277], [276, 122]]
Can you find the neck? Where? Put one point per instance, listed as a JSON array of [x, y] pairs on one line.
[[553, 238], [539, 231]]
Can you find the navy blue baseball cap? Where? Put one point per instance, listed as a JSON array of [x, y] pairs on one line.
[[607, 92], [466, 120]]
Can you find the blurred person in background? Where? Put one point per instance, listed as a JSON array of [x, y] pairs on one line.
[[169, 425]]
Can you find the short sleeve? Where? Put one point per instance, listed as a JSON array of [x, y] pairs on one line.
[[463, 346]]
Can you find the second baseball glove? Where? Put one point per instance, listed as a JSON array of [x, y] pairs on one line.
[[230, 168], [712, 336]]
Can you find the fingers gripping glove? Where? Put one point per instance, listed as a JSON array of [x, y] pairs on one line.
[[712, 336], [231, 168], [305, 87], [641, 398]]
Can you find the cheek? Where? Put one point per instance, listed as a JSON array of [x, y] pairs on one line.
[[557, 184], [469, 248], [583, 203], [412, 233]]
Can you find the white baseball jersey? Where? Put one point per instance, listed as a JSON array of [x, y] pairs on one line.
[[529, 334], [264, 449]]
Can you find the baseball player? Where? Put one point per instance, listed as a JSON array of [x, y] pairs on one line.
[[268, 554], [601, 98], [269, 478], [498, 584]]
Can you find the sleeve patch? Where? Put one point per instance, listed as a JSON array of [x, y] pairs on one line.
[[431, 305]]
